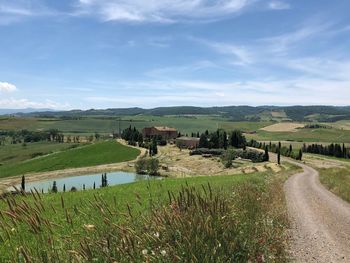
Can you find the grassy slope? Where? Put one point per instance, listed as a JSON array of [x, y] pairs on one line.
[[337, 180], [11, 153], [88, 126], [92, 125], [95, 154], [305, 135], [264, 204]]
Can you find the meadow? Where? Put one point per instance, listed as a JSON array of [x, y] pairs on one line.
[[232, 218], [337, 180], [87, 126], [105, 152], [12, 153]]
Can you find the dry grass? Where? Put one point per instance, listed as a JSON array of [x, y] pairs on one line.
[[179, 163], [283, 127]]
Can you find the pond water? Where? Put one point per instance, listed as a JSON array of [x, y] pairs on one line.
[[113, 178]]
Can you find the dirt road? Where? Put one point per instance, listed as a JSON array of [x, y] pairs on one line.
[[320, 229]]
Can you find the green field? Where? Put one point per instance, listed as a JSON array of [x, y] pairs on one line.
[[185, 124], [95, 154], [234, 215], [304, 135], [12, 153], [337, 180], [90, 125]]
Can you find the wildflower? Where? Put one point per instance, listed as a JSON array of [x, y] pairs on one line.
[[156, 234], [144, 252], [163, 252]]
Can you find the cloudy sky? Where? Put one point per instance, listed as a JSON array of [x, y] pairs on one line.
[[122, 53]]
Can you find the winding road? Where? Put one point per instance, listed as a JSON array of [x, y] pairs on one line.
[[320, 221]]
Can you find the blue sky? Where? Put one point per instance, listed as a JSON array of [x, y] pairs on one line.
[[125, 53]]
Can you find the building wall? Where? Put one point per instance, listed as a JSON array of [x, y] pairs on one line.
[[190, 144], [152, 132]]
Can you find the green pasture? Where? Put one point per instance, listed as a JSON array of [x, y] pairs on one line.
[[95, 154]]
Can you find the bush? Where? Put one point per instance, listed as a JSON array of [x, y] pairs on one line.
[[201, 151], [232, 154], [147, 166]]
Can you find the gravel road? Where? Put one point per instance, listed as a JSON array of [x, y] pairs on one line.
[[320, 230]]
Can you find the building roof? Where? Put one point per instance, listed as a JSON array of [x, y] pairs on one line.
[[184, 138], [164, 128]]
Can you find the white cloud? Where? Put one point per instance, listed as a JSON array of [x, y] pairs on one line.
[[18, 10], [291, 91], [7, 87], [241, 54], [283, 43], [13, 103], [279, 5], [163, 11]]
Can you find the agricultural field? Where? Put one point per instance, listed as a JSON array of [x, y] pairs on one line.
[[304, 135], [129, 210], [284, 127], [342, 125], [334, 173], [90, 155], [12, 153]]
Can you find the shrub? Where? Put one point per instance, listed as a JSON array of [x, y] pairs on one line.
[[232, 154], [201, 151], [147, 166]]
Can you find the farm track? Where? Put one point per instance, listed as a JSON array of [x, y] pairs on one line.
[[320, 229]]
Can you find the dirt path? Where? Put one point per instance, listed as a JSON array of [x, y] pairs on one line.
[[320, 230]]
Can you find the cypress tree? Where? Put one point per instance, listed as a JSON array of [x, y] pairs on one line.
[[94, 185], [64, 187], [266, 155], [23, 184], [300, 157], [279, 156], [106, 181], [54, 187]]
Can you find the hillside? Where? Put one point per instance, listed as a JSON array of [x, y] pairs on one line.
[[235, 113]]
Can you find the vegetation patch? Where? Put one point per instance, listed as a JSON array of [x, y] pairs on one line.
[[284, 127], [91, 155], [230, 218], [337, 180]]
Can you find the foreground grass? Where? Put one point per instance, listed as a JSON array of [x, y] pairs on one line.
[[337, 180], [95, 154], [204, 219]]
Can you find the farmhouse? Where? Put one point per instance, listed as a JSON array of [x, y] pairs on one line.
[[187, 142], [166, 132]]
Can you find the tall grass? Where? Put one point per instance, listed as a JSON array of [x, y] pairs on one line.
[[337, 180], [196, 223]]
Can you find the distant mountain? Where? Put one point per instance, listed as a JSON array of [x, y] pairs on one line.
[[22, 111], [234, 113]]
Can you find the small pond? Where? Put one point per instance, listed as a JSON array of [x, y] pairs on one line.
[[78, 182]]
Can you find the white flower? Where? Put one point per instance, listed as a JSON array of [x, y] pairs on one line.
[[163, 252], [156, 234], [144, 252]]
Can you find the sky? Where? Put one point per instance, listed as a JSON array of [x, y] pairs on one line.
[[83, 54]]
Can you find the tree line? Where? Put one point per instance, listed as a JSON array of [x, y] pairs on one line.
[[334, 150], [220, 139], [286, 151]]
